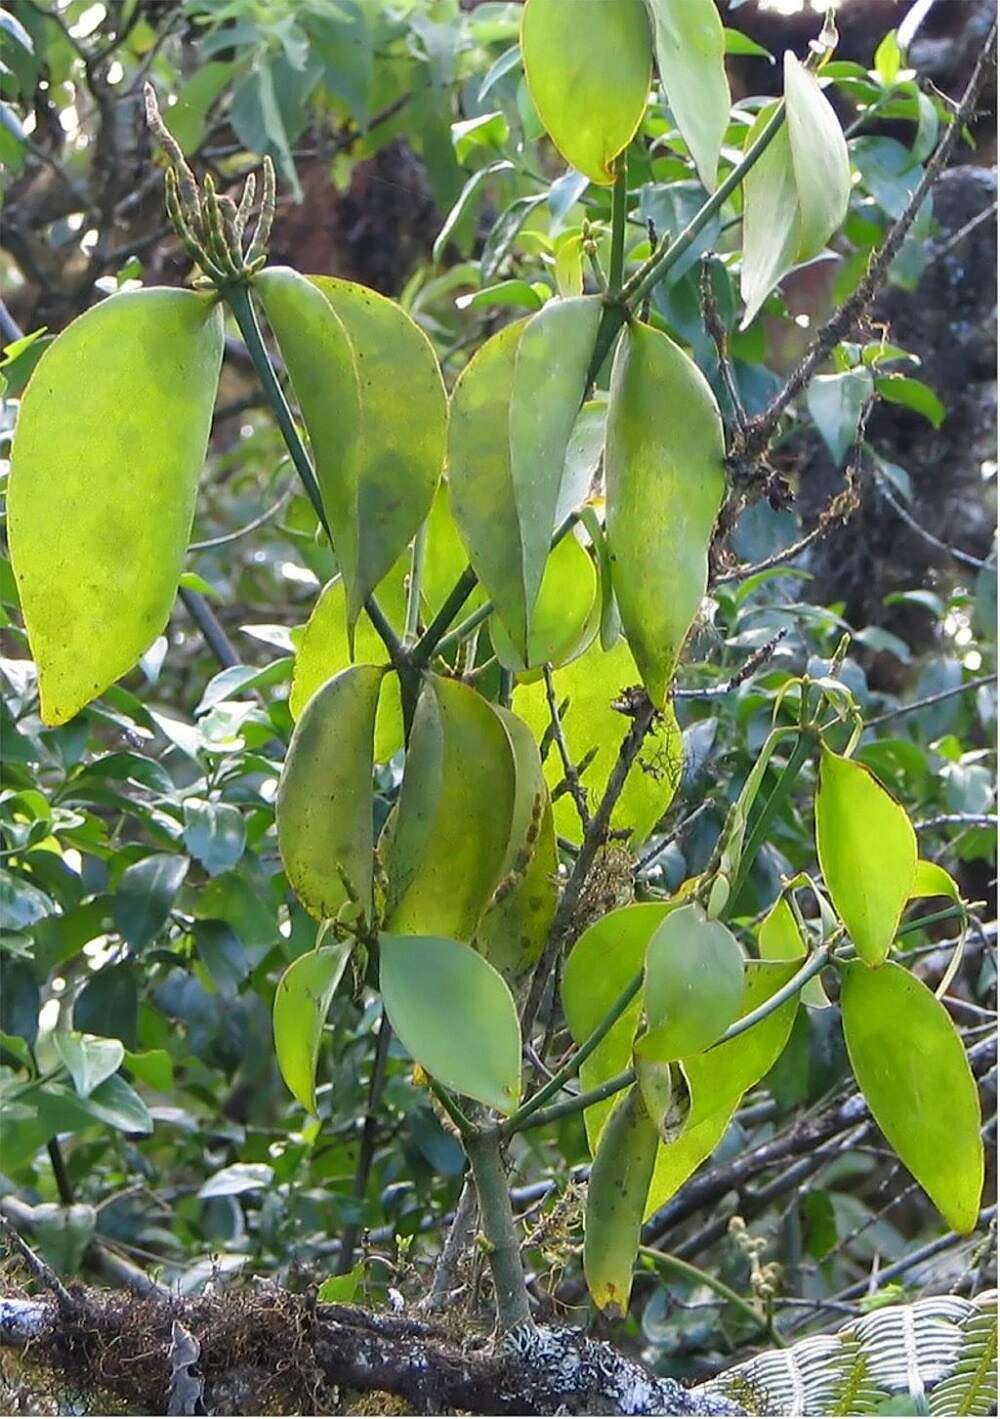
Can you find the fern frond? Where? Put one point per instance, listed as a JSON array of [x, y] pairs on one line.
[[821, 1375], [910, 1348], [971, 1387]]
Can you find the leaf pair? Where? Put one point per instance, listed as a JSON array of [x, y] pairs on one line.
[[796, 194], [589, 72], [513, 412], [104, 475], [371, 396]]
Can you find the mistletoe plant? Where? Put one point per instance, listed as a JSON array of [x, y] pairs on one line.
[[520, 565]]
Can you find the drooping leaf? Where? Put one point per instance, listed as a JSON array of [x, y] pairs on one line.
[[321, 364], [693, 984], [616, 1194], [909, 1060], [770, 217], [323, 809], [836, 403], [588, 77], [562, 614], [301, 1003], [400, 450], [718, 1079], [690, 55], [819, 158], [550, 375], [90, 1059], [515, 926], [323, 652], [867, 851], [455, 1016], [124, 448], [665, 471], [594, 730], [446, 844]]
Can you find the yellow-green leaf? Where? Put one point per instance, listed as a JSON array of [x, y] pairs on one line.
[[550, 377], [515, 926], [588, 75], [562, 613], [691, 57], [931, 880], [324, 803], [445, 557], [301, 1003], [319, 357], [401, 446], [779, 939], [447, 842], [594, 731], [910, 1063], [819, 158], [665, 471], [323, 651], [110, 441], [454, 1015], [867, 851], [718, 1079], [693, 984], [616, 1194]]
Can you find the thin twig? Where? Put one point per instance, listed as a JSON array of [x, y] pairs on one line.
[[928, 700], [570, 772], [947, 820], [966, 558]]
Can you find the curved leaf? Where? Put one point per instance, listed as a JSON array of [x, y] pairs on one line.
[[121, 450], [691, 57], [665, 472], [454, 1015], [588, 76], [911, 1066], [446, 845], [819, 159], [301, 1003], [562, 614], [693, 984], [867, 851], [779, 939], [619, 1183], [324, 804], [770, 217], [401, 446]]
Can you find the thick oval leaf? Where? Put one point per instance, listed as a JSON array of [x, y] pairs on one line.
[[693, 984], [320, 361], [718, 1079], [403, 418], [588, 687], [616, 1196], [324, 804], [90, 1059], [665, 471], [562, 612], [323, 651], [819, 159], [867, 850], [479, 475], [691, 57], [910, 1063], [301, 1003], [588, 76], [515, 926], [145, 895], [454, 1015], [770, 217], [120, 451], [550, 378], [447, 841]]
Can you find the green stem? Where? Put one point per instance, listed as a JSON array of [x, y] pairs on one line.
[[572, 1065], [464, 1124], [668, 253], [499, 1228], [762, 823], [416, 578], [702, 1278], [237, 297], [430, 641], [619, 211]]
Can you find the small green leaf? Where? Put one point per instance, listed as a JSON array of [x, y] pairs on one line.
[[910, 1063], [693, 984], [690, 55], [324, 804], [90, 1059], [867, 851], [616, 1196], [819, 159], [588, 77], [666, 478], [912, 394], [214, 833], [154, 1067], [446, 844], [237, 1179], [125, 448], [301, 1003], [836, 403], [116, 1104], [341, 1290], [779, 939], [146, 893], [931, 880], [454, 1015]]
